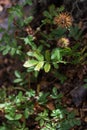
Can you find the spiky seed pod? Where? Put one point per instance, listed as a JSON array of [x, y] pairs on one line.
[[63, 20], [63, 42]]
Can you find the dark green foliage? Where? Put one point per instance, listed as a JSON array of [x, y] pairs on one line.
[[38, 53]]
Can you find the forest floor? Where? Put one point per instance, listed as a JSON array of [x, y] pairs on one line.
[[75, 95]]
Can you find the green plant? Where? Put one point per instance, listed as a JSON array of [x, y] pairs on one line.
[[20, 107], [42, 52], [85, 83], [75, 33], [20, 78], [59, 120]]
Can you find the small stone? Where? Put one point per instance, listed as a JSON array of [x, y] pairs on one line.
[[38, 29], [78, 95], [85, 119], [1, 8]]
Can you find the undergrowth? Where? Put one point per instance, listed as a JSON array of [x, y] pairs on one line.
[[41, 50]]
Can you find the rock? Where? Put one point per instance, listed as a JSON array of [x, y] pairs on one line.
[[78, 95], [85, 119], [1, 8], [78, 8]]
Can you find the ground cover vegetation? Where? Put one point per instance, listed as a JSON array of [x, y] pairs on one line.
[[44, 51]]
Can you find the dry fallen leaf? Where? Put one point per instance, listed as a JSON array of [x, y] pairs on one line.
[[50, 106], [37, 107]]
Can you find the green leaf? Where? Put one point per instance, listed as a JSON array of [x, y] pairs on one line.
[[30, 93], [26, 113], [29, 2], [47, 55], [51, 8], [30, 63], [60, 9], [39, 65], [60, 76], [55, 91], [17, 74], [58, 33], [30, 41], [2, 29], [15, 11], [85, 85], [42, 99], [56, 55], [16, 117], [2, 48], [17, 80], [47, 14], [56, 65], [13, 51], [47, 67], [41, 122], [57, 114], [85, 80], [3, 128], [30, 53], [38, 56], [75, 32], [28, 20], [6, 50]]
